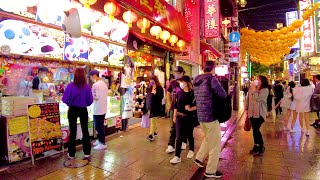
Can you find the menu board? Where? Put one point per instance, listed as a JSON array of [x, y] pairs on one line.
[[44, 127], [30, 39], [18, 125]]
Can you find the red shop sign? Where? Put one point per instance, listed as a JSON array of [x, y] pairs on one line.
[[308, 42], [211, 19], [162, 12]]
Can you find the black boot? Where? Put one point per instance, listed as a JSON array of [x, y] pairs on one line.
[[255, 149], [316, 123], [261, 150]]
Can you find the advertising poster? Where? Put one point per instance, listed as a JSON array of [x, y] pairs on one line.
[[19, 147], [30, 39], [44, 127], [76, 49], [18, 125]]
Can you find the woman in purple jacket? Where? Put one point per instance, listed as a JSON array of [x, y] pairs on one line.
[[78, 97]]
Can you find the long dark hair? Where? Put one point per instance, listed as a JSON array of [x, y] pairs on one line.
[[264, 82], [156, 80], [291, 86], [80, 78], [305, 82]]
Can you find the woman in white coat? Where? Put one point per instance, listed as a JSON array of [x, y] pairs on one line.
[[302, 96]]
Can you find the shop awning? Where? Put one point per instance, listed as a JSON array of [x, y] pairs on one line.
[[159, 12], [207, 47], [292, 55]]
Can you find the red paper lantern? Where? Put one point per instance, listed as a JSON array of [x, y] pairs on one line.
[[112, 9], [130, 17]]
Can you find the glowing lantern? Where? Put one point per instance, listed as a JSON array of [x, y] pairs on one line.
[[129, 17], [112, 9], [173, 39], [155, 31], [88, 3], [181, 44], [165, 35], [143, 24]]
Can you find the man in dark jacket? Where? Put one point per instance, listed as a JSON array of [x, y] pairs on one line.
[[206, 86], [317, 91], [278, 91]]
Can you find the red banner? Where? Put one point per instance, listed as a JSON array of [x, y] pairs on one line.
[[307, 43], [211, 19], [163, 13]]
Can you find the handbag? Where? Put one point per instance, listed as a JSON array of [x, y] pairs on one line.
[[315, 103], [145, 123], [247, 124]]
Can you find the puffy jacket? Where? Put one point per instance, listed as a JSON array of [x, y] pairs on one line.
[[205, 86]]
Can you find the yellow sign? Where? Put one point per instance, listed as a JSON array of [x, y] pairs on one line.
[[18, 125], [34, 111]]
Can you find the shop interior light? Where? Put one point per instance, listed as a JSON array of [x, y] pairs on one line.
[[155, 31], [164, 35], [143, 24], [112, 9], [181, 44], [88, 3], [130, 17], [173, 39]]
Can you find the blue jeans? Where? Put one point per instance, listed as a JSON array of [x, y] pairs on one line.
[[99, 125]]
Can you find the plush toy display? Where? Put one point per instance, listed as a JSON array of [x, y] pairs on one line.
[[71, 23]]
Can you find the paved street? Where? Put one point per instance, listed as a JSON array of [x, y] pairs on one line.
[[131, 156]]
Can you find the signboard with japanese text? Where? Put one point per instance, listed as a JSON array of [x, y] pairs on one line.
[[307, 43], [211, 18], [317, 27], [163, 13], [44, 127], [290, 17]]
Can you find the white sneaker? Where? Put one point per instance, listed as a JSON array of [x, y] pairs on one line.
[[170, 149], [308, 133], [184, 146], [96, 143], [190, 154], [100, 147], [175, 160]]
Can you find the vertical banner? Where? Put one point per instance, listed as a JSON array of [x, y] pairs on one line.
[[317, 27], [290, 17], [192, 15], [307, 43], [211, 18]]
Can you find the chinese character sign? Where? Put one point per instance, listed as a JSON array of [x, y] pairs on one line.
[[307, 43], [317, 27], [211, 18], [290, 17]]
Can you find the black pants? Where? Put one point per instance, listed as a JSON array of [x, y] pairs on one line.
[[278, 109], [73, 114], [184, 130], [99, 126], [172, 138], [256, 124]]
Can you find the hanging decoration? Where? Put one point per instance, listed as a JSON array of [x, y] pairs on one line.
[[112, 9], [143, 24], [164, 35], [88, 3], [181, 44], [155, 31], [173, 39], [130, 17]]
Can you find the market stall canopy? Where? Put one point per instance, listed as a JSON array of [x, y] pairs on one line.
[[207, 47], [159, 12]]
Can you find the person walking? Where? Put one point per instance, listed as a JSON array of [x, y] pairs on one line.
[[205, 87], [257, 111], [154, 101], [278, 91], [302, 96], [183, 118], [99, 92], [78, 96], [317, 91], [172, 91], [288, 103]]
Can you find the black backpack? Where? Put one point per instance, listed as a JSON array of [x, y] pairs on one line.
[[223, 108]]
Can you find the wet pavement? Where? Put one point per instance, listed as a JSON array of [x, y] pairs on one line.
[[131, 156]]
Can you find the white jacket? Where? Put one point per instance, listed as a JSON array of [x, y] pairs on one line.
[[302, 96]]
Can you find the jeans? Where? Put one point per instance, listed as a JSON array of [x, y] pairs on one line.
[[172, 138], [210, 145], [184, 130], [73, 114], [99, 125], [256, 124]]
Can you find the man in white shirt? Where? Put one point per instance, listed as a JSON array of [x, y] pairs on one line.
[[99, 92]]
